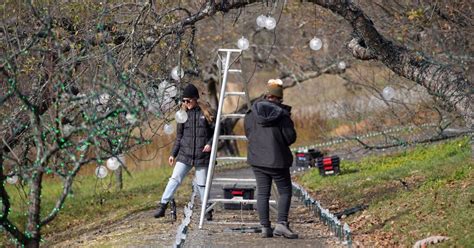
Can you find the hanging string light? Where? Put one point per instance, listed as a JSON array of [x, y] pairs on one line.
[[101, 171], [154, 108], [82, 147], [168, 128], [168, 89], [104, 98], [270, 23], [131, 118], [181, 116], [315, 43], [261, 20], [341, 65], [113, 163], [12, 179], [243, 43], [177, 73], [388, 93], [67, 129]]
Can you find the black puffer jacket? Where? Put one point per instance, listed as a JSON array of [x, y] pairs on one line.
[[191, 137], [270, 132]]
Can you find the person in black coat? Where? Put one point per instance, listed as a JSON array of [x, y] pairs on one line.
[[191, 148], [270, 131]]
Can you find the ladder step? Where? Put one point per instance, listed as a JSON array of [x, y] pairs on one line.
[[232, 137], [230, 50], [233, 116], [234, 70], [238, 200], [232, 158], [234, 223], [236, 181], [235, 93], [225, 179]]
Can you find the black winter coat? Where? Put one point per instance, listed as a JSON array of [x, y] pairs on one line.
[[270, 131], [191, 137]]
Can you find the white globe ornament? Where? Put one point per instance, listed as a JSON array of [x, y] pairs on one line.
[[113, 163], [388, 93], [177, 73], [104, 98], [167, 89], [101, 171], [315, 44], [181, 116], [167, 104], [261, 19], [67, 129], [131, 118], [12, 180], [83, 147], [243, 43], [172, 90], [270, 23], [154, 107], [168, 129], [341, 65]]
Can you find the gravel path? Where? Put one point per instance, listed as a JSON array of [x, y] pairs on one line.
[[312, 233]]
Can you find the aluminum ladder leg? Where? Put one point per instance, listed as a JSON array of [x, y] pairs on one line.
[[225, 70]]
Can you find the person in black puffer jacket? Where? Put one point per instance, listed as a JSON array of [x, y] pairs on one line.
[[191, 148], [270, 131]]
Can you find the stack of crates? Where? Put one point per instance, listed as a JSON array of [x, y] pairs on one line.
[[328, 165], [239, 191], [305, 158]]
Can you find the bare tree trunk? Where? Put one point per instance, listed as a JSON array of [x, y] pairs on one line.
[[119, 178], [33, 226], [211, 86], [7, 225]]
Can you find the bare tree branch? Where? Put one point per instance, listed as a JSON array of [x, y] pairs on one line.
[[440, 80]]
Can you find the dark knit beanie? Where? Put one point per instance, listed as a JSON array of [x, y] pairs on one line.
[[190, 91], [275, 88]]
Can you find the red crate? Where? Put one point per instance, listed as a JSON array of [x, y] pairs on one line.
[[328, 165]]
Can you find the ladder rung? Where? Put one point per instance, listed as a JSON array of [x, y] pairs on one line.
[[235, 93], [232, 158], [225, 179], [233, 116], [234, 70], [230, 50], [232, 137], [234, 223], [237, 200]]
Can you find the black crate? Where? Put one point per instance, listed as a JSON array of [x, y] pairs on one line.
[[246, 192], [307, 158], [328, 166]]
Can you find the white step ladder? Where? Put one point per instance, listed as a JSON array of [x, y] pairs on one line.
[[226, 58]]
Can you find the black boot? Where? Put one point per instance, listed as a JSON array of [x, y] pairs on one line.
[[283, 229], [160, 212], [209, 215], [267, 232]]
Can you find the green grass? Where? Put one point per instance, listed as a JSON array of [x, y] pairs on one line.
[[438, 199], [97, 201]]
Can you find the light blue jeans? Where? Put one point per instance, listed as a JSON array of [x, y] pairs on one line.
[[179, 172]]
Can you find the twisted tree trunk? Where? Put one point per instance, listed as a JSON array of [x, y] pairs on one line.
[[33, 226]]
